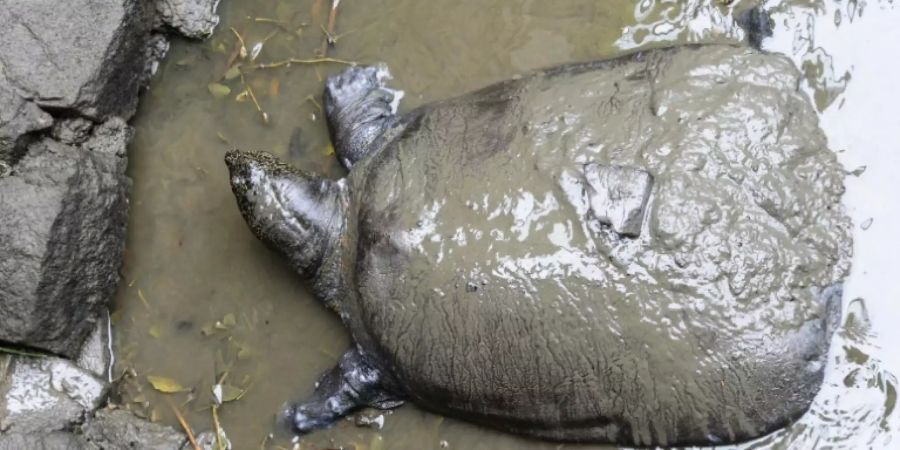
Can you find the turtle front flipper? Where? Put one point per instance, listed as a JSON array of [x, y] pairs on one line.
[[359, 108], [350, 385]]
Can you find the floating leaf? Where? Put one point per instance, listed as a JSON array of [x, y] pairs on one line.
[[224, 393], [243, 96], [243, 353], [165, 385], [185, 61], [218, 90], [208, 329], [229, 320], [154, 330], [329, 150], [233, 72]]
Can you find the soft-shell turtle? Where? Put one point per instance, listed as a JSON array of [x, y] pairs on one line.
[[645, 250]]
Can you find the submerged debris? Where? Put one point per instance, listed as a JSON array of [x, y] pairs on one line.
[[166, 385]]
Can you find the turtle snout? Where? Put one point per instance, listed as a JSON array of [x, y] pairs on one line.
[[238, 163], [305, 421], [245, 168]]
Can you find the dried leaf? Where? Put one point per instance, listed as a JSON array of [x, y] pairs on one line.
[[185, 61], [233, 72], [154, 330], [274, 87], [254, 52], [218, 90], [208, 329], [166, 385], [243, 353], [242, 97], [229, 320], [225, 393]]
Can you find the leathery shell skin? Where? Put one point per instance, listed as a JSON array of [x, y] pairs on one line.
[[646, 250]]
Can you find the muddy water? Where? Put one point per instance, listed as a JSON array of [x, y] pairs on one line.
[[203, 298]]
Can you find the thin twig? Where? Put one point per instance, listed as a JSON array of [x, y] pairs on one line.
[[286, 62], [278, 23], [269, 36], [332, 18], [218, 428], [333, 38], [315, 102], [184, 425], [249, 91], [243, 51]]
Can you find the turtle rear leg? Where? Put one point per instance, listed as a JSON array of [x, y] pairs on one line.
[[350, 385], [359, 107]]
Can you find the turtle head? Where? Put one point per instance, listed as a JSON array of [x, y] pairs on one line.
[[298, 214]]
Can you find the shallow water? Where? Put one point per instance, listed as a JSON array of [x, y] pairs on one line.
[[192, 264]]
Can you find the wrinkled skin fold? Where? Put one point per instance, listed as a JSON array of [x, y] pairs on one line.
[[646, 250]]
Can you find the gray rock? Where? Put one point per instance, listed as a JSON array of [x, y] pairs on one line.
[[80, 55], [95, 354], [107, 430], [18, 118], [116, 429], [207, 441], [63, 212], [72, 131], [40, 395], [155, 50], [193, 18], [58, 440]]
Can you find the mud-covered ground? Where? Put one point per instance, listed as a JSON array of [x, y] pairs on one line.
[[203, 298]]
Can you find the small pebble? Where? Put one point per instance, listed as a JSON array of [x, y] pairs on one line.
[[376, 422], [444, 444]]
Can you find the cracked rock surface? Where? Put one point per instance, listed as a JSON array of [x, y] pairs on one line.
[[80, 56], [70, 76], [192, 18]]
